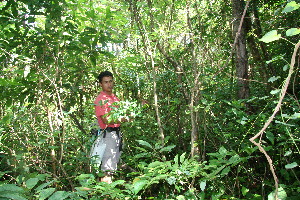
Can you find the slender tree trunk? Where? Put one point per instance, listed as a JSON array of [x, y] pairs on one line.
[[241, 58], [267, 68], [195, 148], [149, 52], [52, 142]]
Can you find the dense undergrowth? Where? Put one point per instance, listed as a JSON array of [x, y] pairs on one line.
[[51, 52], [230, 167]]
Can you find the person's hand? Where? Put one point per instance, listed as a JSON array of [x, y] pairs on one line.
[[144, 102]]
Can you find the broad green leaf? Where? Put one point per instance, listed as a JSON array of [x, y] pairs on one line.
[[203, 185], [244, 121], [273, 78], [244, 191], [276, 58], [42, 186], [215, 172], [155, 164], [59, 195], [291, 6], [139, 185], [142, 155], [288, 153], [275, 91], [182, 157], [44, 194], [223, 151], [180, 197], [171, 180], [168, 148], [291, 165], [160, 177], [281, 194], [234, 159], [118, 182], [144, 143], [42, 177], [11, 195], [30, 183], [225, 171], [270, 36], [295, 116], [283, 123], [292, 31], [176, 159], [11, 188], [270, 136]]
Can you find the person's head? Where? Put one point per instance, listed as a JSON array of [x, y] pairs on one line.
[[106, 81], [104, 74]]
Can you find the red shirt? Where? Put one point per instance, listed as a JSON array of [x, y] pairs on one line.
[[102, 107]]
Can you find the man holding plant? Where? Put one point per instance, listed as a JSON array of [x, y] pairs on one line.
[[109, 128]]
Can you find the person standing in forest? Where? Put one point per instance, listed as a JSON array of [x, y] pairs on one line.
[[110, 130]]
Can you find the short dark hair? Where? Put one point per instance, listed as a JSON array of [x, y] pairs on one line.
[[104, 74]]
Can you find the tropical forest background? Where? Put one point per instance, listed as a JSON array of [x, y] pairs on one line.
[[213, 86]]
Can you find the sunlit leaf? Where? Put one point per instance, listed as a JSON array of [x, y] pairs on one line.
[[44, 194], [291, 6], [30, 183], [26, 70], [167, 149], [281, 194], [295, 116], [273, 78], [182, 157], [292, 31], [171, 180], [225, 171], [139, 185], [270, 36], [155, 164], [59, 195], [11, 188], [203, 185], [244, 190], [285, 67], [275, 91], [11, 195], [288, 153], [144, 143], [291, 165]]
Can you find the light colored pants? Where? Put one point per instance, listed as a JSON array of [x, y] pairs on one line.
[[112, 152]]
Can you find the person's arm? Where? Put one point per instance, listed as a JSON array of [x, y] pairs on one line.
[[105, 120]]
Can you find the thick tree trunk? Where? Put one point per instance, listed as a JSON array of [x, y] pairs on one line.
[[241, 58]]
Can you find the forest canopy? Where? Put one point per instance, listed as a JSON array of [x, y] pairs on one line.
[[213, 86]]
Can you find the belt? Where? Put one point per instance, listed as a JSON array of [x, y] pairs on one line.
[[110, 129]]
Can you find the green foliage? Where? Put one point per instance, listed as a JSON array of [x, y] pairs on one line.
[[272, 35], [51, 52]]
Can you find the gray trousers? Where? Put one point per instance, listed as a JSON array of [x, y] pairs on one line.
[[112, 152]]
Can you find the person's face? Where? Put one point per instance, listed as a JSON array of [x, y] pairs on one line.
[[107, 84]]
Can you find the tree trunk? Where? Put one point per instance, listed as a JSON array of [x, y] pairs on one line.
[[241, 58]]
